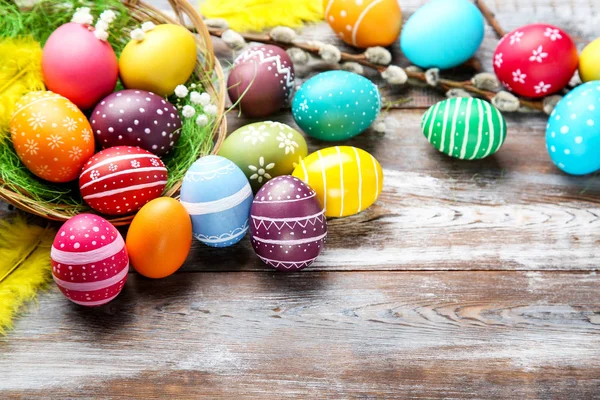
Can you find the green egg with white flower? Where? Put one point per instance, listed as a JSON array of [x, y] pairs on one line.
[[264, 150]]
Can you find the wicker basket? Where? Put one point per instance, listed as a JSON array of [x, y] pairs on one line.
[[209, 72]]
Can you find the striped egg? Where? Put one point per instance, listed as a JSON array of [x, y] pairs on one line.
[[217, 195], [89, 260], [287, 224], [347, 179], [464, 128], [121, 179]]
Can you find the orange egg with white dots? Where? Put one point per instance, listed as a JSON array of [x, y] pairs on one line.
[[364, 23], [51, 136]]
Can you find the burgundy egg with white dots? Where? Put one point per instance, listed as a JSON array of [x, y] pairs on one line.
[[89, 260], [120, 180], [136, 118], [287, 224]]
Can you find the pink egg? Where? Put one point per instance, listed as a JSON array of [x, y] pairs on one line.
[[79, 66], [89, 260]]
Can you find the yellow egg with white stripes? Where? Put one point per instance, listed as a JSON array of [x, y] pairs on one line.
[[347, 179]]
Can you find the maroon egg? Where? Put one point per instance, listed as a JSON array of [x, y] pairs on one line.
[[267, 73], [136, 118], [287, 224]]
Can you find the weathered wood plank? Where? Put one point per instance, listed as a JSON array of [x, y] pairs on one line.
[[326, 335]]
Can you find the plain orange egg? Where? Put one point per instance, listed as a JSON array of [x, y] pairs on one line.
[[159, 238], [364, 23]]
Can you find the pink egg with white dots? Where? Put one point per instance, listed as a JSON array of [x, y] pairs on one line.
[[89, 260]]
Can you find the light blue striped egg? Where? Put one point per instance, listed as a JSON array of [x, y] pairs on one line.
[[217, 195]]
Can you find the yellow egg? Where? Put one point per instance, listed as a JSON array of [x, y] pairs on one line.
[[589, 62], [163, 59], [346, 179]]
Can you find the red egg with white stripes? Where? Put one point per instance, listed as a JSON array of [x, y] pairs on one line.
[[287, 224], [120, 180], [535, 60], [89, 260]]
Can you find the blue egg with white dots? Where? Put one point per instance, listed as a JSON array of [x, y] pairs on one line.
[[336, 105], [573, 130], [217, 195]]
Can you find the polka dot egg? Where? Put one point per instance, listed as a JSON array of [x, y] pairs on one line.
[[136, 118], [336, 105], [573, 131], [120, 180], [89, 260], [287, 224]]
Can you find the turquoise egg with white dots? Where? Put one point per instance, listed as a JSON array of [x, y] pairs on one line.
[[336, 105], [573, 130]]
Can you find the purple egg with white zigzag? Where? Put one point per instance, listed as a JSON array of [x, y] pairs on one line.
[[287, 224]]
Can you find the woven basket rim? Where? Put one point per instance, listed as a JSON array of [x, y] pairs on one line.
[[208, 66]]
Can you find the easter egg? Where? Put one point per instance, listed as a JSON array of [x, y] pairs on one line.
[[136, 118], [442, 34], [262, 79], [89, 260], [346, 179], [263, 150], [159, 238], [464, 128], [589, 62], [336, 105], [287, 225], [163, 59], [535, 60], [51, 136], [78, 65], [217, 195], [573, 131], [364, 23], [121, 179]]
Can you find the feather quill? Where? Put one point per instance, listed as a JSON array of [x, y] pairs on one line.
[[25, 266], [20, 73], [256, 15]]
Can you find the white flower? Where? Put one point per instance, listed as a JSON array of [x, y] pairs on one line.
[[204, 99], [75, 153], [553, 34], [69, 124], [37, 120], [112, 167], [260, 171], [516, 37], [193, 85], [101, 25], [188, 111], [95, 174], [101, 34], [181, 91], [54, 141], [287, 142], [498, 60], [254, 135], [518, 76], [304, 105], [148, 26], [108, 16], [210, 109], [202, 120], [195, 97], [542, 87], [538, 55], [83, 16], [137, 34], [31, 147], [135, 164]]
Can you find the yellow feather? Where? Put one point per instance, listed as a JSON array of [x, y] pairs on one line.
[[20, 73], [24, 266], [256, 15]]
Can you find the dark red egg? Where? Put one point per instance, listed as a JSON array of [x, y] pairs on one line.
[[536, 60], [263, 77], [287, 224], [120, 180], [136, 118]]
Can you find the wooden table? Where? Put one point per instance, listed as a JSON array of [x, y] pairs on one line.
[[465, 280]]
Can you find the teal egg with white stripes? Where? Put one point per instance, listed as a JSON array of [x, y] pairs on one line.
[[217, 195], [464, 128]]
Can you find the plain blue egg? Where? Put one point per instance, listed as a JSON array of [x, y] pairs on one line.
[[218, 197], [573, 131], [442, 34], [336, 105]]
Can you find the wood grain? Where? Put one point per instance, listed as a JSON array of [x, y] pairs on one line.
[[317, 335]]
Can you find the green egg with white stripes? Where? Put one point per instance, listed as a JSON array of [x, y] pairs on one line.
[[464, 128]]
